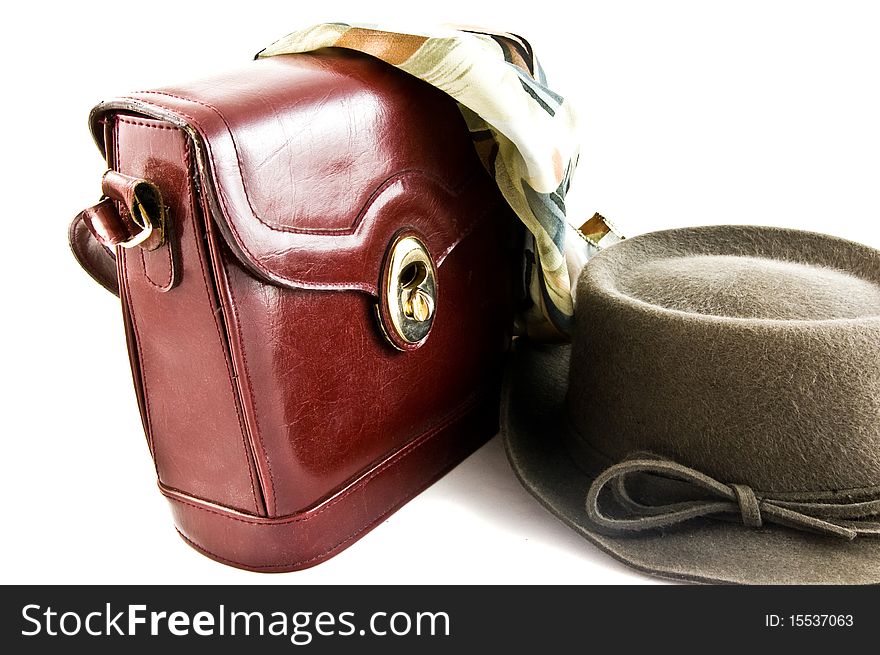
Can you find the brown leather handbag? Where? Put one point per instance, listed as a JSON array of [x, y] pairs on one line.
[[318, 281]]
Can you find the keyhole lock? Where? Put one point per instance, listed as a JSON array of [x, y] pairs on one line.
[[415, 302], [410, 293]]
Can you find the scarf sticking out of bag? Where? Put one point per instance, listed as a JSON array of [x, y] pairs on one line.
[[524, 132]]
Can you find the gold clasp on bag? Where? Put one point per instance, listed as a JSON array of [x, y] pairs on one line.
[[409, 294]]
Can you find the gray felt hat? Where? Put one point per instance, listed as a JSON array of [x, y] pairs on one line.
[[717, 415]]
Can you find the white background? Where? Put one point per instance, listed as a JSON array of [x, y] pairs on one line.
[[740, 112]]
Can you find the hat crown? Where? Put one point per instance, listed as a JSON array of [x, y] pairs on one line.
[[751, 287], [751, 354]]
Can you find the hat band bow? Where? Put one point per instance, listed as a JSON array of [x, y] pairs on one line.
[[830, 516]]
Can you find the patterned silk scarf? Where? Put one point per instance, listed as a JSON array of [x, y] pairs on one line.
[[524, 132]]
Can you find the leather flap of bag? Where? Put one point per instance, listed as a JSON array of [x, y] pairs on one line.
[[312, 163]]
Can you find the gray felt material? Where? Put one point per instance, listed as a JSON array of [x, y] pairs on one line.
[[751, 355]]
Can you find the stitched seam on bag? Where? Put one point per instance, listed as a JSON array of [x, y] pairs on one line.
[[160, 287], [128, 121], [198, 245], [410, 448], [351, 229], [247, 374], [337, 546]]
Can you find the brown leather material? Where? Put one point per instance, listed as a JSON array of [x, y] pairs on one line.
[[309, 537], [190, 404], [98, 261], [106, 223], [119, 187], [330, 396], [301, 200], [109, 224], [282, 422], [161, 263], [111, 221], [130, 193]]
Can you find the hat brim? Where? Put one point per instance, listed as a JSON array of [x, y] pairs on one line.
[[533, 422]]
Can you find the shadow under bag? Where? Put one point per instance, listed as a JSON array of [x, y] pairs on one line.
[[318, 281]]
